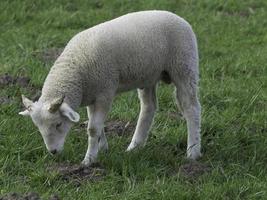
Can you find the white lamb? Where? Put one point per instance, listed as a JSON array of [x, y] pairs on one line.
[[134, 51]]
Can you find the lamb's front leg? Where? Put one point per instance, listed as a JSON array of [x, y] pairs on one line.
[[96, 138], [148, 102]]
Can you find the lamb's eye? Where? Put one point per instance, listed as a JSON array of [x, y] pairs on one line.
[[58, 125]]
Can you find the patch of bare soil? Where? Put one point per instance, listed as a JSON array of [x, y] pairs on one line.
[[120, 128], [6, 80], [78, 173], [6, 100], [174, 115], [117, 127], [244, 13], [22, 81], [49, 55], [194, 169], [28, 196]]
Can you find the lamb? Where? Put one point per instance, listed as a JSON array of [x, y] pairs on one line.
[[134, 51]]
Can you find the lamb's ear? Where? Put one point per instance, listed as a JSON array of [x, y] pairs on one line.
[[28, 104], [68, 112]]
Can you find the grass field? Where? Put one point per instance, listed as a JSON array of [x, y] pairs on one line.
[[232, 37]]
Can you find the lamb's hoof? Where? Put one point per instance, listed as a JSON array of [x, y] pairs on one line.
[[134, 145], [88, 162], [129, 148], [85, 163]]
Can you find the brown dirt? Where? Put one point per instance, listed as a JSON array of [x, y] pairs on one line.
[[244, 13], [120, 128], [28, 196], [174, 115], [49, 55], [22, 81], [6, 80], [6, 100], [54, 197], [194, 169], [77, 173]]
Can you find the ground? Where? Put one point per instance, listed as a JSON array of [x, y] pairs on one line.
[[232, 37]]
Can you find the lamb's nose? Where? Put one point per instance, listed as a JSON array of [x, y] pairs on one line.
[[53, 151]]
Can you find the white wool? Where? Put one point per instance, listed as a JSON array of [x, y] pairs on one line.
[[122, 54]]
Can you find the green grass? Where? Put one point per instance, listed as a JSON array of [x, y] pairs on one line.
[[232, 38]]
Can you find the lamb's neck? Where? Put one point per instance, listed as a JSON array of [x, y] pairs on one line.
[[63, 81]]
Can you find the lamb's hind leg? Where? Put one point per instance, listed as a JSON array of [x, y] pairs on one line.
[[96, 136], [187, 101], [148, 102]]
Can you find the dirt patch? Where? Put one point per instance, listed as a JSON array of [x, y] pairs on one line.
[[28, 196], [116, 127], [194, 169], [78, 173], [49, 55], [54, 197], [6, 80], [120, 128], [243, 13], [6, 100], [23, 81], [174, 115]]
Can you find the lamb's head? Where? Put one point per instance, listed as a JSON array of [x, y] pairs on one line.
[[53, 119]]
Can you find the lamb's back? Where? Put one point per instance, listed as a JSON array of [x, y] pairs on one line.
[[137, 46]]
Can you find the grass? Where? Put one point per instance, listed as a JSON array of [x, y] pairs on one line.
[[232, 38]]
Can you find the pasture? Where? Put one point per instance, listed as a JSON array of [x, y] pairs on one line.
[[232, 38]]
